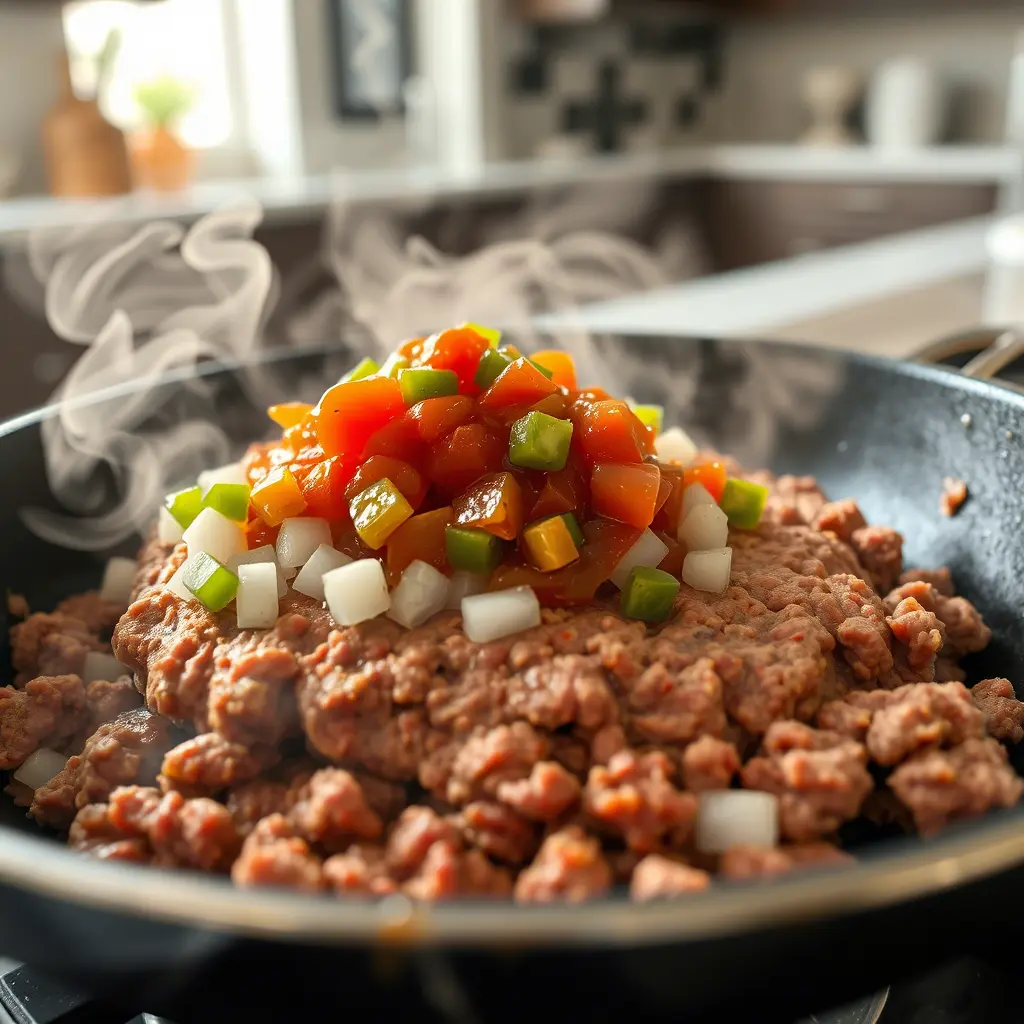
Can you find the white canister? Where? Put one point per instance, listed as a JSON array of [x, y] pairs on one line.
[[1004, 285], [906, 105]]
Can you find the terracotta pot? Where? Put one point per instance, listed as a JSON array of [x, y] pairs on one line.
[[161, 160], [85, 154]]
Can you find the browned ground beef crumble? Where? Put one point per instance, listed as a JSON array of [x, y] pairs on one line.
[[550, 765]]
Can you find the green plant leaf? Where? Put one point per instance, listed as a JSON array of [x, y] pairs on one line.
[[164, 100]]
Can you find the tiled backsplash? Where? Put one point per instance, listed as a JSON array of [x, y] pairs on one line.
[[623, 84]]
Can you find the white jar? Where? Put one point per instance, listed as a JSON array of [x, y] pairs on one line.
[[1004, 286], [906, 105]]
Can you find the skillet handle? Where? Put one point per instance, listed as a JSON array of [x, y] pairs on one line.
[[996, 348]]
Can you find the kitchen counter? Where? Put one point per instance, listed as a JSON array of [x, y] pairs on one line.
[[303, 197], [888, 297]]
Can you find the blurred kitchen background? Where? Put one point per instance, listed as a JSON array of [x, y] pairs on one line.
[[837, 171]]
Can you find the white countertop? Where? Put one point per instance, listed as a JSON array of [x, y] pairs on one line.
[[290, 198], [763, 301]]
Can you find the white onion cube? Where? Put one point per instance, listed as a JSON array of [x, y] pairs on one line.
[[232, 473], [215, 534], [256, 599], [39, 767], [487, 617], [298, 538], [176, 584], [168, 529], [648, 550], [264, 553], [310, 580], [98, 665], [694, 495], [118, 578], [708, 570], [356, 592], [675, 445], [421, 592], [737, 817], [705, 528], [464, 584]]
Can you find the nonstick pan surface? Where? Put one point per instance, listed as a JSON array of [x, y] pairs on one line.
[[885, 433]]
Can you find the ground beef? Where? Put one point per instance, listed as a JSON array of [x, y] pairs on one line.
[[745, 862], [560, 761], [126, 751], [100, 616], [819, 776], [954, 494], [1003, 712], [709, 763], [635, 797], [569, 866], [176, 832], [940, 786], [657, 877], [17, 606], [46, 713]]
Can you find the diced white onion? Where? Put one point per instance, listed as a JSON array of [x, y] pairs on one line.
[[491, 616], [264, 553], [694, 495], [118, 578], [310, 581], [737, 817], [648, 550], [39, 767], [101, 666], [215, 534], [176, 584], [291, 572], [232, 473], [464, 584], [298, 538], [168, 529], [256, 600], [675, 445], [356, 592], [705, 528], [421, 593], [708, 570]]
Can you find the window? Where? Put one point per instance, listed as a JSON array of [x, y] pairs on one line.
[[183, 39]]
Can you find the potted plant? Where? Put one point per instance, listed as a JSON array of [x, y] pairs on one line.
[[161, 160]]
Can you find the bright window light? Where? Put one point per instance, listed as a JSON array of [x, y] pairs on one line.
[[183, 39]]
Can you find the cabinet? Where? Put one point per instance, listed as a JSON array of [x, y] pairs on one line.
[[749, 222]]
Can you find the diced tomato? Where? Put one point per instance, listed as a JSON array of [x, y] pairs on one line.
[[420, 537], [411, 349], [645, 435], [576, 584], [257, 533], [256, 461], [557, 405], [625, 492], [493, 503], [563, 491], [287, 414], [519, 384], [466, 454], [664, 493], [400, 439], [349, 414], [590, 395], [711, 475], [300, 435], [672, 563], [277, 497], [433, 418], [348, 542], [458, 349], [605, 431], [379, 467], [324, 485], [667, 516], [563, 369]]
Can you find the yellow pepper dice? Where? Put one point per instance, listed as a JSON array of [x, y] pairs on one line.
[[289, 414], [378, 511], [277, 497], [549, 544]]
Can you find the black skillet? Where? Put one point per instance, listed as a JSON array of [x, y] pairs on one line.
[[192, 947]]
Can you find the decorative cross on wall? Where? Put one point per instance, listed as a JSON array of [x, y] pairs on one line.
[[607, 113]]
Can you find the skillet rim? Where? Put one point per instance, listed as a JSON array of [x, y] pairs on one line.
[[897, 872]]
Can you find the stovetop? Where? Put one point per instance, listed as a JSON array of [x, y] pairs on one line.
[[965, 991]]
